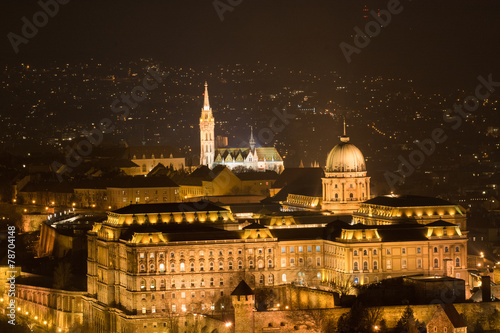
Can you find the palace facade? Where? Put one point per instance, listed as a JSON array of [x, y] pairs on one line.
[[148, 262]]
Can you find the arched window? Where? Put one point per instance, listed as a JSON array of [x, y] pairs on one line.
[[365, 265], [261, 264], [270, 279], [457, 262], [355, 266], [172, 267], [375, 264], [183, 267], [143, 284], [435, 249], [351, 195], [240, 264], [211, 282], [446, 249], [436, 263], [336, 195], [153, 284], [355, 252], [202, 282], [211, 265], [270, 263], [221, 265], [152, 267], [191, 266], [230, 265], [365, 252], [261, 280], [356, 280], [143, 268], [250, 263], [202, 266], [457, 249], [375, 252], [162, 268]]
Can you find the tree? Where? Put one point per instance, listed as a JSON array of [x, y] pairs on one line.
[[407, 322], [265, 298], [63, 277], [358, 319]]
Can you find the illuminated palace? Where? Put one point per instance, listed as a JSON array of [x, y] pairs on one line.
[[149, 261], [251, 157]]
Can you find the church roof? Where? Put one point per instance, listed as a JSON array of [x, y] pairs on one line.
[[452, 314], [263, 153], [268, 154]]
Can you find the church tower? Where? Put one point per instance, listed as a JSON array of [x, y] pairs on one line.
[[207, 125]]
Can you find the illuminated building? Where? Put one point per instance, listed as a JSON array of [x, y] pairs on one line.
[[251, 157], [345, 185], [393, 209], [146, 262]]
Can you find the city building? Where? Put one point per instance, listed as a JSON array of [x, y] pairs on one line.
[[345, 185], [392, 209], [150, 260], [251, 157], [146, 158]]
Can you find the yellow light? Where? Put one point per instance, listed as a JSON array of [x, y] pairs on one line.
[[59, 330], [228, 324], [18, 309], [109, 207], [26, 312], [14, 200], [36, 317], [33, 202], [46, 208], [45, 322], [74, 204], [1, 299], [93, 205], [286, 307], [25, 210], [53, 202]]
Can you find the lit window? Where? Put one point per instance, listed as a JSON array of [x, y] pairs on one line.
[[283, 277], [291, 249], [183, 267], [283, 262], [162, 268], [309, 248], [318, 248], [301, 249]]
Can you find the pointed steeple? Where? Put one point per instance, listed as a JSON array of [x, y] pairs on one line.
[[252, 140], [206, 103], [344, 138]]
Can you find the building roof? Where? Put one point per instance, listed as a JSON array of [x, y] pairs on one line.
[[141, 181], [243, 289], [155, 208], [257, 175], [452, 314], [407, 201], [149, 151], [441, 223], [300, 181], [345, 157], [178, 232]]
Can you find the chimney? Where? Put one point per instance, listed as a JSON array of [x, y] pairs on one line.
[[486, 288]]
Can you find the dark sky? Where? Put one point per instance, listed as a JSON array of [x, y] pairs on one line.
[[437, 42]]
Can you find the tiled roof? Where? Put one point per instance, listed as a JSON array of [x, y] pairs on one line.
[[243, 289]]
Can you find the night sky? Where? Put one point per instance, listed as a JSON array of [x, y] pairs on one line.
[[435, 42]]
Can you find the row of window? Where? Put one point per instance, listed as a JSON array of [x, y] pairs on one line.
[[211, 253], [212, 282], [403, 250], [355, 265], [211, 266], [300, 249], [301, 261]]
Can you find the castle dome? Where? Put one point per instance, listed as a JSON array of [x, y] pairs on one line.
[[345, 157]]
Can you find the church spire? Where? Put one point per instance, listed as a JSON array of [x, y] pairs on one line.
[[206, 103], [252, 140]]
